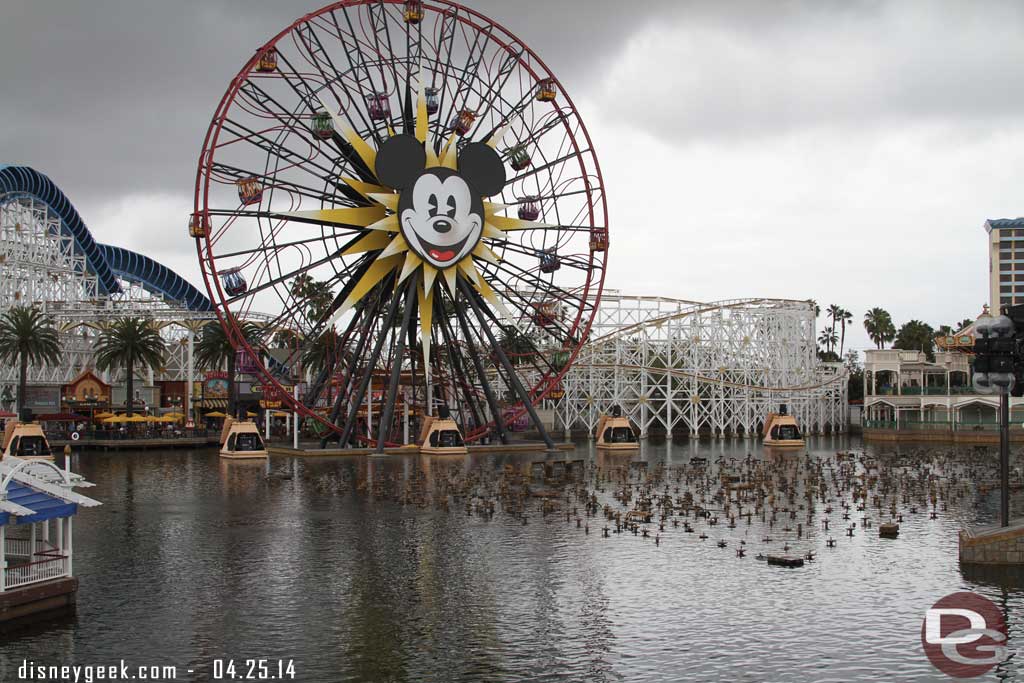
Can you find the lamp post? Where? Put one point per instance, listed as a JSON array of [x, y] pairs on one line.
[[91, 401], [71, 402], [995, 363]]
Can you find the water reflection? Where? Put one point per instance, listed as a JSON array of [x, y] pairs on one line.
[[354, 568]]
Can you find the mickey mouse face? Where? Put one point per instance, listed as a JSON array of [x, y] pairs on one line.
[[441, 218], [440, 211]]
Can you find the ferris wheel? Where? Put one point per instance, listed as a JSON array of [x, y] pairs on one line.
[[411, 193]]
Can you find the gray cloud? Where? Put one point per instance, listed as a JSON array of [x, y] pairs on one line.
[[109, 96], [755, 69], [854, 146]]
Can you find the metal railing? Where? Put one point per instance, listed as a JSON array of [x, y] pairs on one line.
[[21, 547], [925, 391], [941, 425], [45, 564], [139, 434]]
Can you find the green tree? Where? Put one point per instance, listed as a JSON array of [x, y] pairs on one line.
[[878, 324], [317, 295], [516, 345], [128, 342], [855, 383], [828, 339], [844, 317], [815, 306], [964, 323], [215, 348], [27, 336], [915, 335], [833, 313], [324, 353]]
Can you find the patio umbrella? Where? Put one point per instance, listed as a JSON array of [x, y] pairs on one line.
[[104, 415], [115, 419], [135, 418], [216, 413], [152, 418], [167, 418]]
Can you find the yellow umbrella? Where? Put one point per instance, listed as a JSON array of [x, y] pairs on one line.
[[152, 418], [176, 416], [167, 418], [113, 420], [135, 418], [216, 413], [103, 415]]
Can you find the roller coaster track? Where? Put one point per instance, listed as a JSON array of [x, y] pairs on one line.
[[106, 262]]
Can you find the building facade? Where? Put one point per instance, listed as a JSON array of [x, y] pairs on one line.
[[906, 392], [1005, 262]]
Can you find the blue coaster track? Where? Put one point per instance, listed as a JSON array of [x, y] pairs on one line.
[[107, 262]]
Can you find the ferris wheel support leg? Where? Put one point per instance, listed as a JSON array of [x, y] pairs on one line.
[[343, 389], [460, 313], [517, 386], [396, 369], [453, 358], [364, 382]]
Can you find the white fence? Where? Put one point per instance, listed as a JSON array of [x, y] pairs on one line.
[[24, 568]]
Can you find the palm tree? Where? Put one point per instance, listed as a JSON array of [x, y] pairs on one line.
[[964, 323], [833, 313], [878, 325], [516, 345], [125, 343], [844, 317], [828, 338], [215, 348], [816, 307], [324, 353], [26, 335]]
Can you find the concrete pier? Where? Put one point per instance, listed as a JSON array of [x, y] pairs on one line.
[[993, 545], [37, 600]]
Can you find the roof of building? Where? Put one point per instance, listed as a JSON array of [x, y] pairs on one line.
[[1000, 223], [36, 492], [42, 506]]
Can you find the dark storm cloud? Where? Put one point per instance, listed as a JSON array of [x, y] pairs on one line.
[[113, 97]]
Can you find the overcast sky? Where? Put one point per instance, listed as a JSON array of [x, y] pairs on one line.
[[847, 151]]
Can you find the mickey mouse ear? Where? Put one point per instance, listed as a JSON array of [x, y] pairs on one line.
[[399, 161], [481, 166]]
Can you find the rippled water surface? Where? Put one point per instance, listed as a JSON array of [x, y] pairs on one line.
[[191, 559]]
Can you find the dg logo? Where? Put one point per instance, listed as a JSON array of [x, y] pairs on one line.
[[964, 635]]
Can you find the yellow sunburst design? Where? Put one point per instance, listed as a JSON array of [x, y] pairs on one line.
[[382, 233]]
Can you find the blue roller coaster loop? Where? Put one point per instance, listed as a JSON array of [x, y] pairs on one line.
[[106, 262]]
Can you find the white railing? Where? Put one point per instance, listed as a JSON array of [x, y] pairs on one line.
[[25, 567], [43, 568], [19, 547]]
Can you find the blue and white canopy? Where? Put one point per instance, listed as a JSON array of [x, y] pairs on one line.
[[38, 491]]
